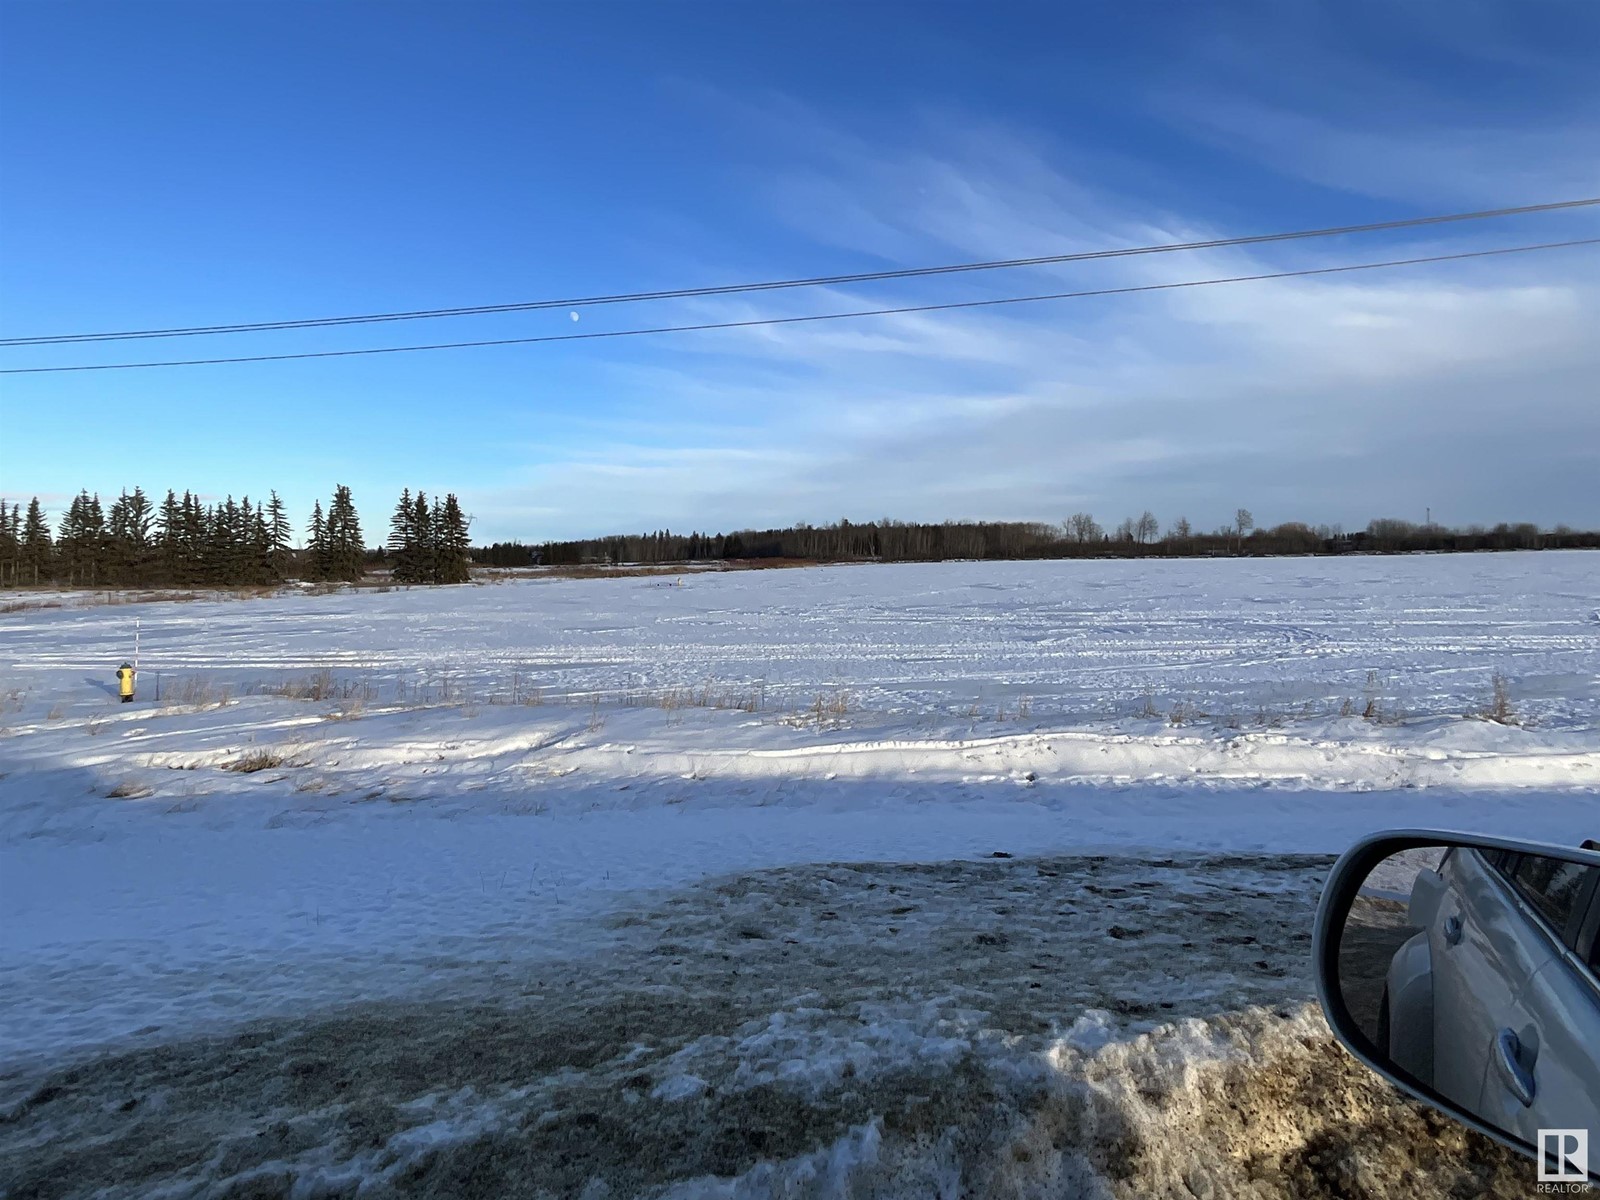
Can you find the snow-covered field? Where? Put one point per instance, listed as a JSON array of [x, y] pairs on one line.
[[415, 814]]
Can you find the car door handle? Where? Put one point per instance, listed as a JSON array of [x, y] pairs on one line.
[[1452, 929], [1518, 1079]]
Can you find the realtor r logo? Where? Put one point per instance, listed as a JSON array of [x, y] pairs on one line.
[[1563, 1155]]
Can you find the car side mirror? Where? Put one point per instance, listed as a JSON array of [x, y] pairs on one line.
[[1466, 970]]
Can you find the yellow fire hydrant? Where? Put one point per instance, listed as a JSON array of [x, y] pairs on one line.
[[125, 682]]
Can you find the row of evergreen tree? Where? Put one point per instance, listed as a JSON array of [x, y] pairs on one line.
[[334, 550], [136, 544], [185, 542], [429, 544]]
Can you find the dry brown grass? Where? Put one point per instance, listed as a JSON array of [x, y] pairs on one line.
[[165, 597], [710, 694], [264, 759], [16, 606], [829, 707], [317, 686], [321, 685], [100, 597], [635, 570], [352, 708], [194, 691], [1500, 709], [1373, 709], [129, 789], [520, 695]]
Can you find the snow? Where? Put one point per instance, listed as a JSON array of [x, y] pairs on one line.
[[1085, 639], [439, 827], [824, 1173]]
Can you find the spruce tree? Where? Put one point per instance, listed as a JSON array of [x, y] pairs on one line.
[[119, 543], [213, 553], [278, 535], [317, 545], [422, 530], [192, 539], [37, 551], [452, 562], [127, 542], [346, 550], [241, 566], [402, 542], [140, 521], [263, 561], [169, 541], [10, 544], [68, 538], [82, 541], [94, 539]]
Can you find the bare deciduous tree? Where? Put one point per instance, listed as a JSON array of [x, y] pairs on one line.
[[1081, 527], [1146, 527]]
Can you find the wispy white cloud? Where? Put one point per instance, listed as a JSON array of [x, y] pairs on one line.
[[1351, 97], [1478, 161], [1465, 386]]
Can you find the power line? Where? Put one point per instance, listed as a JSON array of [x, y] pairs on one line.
[[876, 312], [815, 281]]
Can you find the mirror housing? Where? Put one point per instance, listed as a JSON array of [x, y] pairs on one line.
[[1401, 936]]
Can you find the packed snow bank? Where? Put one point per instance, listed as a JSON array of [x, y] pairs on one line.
[[1085, 1026]]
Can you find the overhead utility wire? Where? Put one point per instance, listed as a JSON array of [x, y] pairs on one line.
[[816, 281], [876, 312]]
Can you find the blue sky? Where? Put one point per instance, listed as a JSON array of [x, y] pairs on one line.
[[174, 164]]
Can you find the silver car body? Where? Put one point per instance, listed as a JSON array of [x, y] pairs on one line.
[[1490, 1007]]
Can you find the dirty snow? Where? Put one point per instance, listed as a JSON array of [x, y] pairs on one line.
[[1074, 1025]]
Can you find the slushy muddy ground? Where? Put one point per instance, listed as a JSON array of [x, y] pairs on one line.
[[1066, 1027]]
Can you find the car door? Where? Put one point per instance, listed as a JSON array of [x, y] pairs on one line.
[[1481, 960], [1542, 1073]]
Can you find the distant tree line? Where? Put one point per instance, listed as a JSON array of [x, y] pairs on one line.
[[184, 542], [1079, 536]]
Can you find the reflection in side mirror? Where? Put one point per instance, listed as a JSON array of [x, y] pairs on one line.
[[1468, 972]]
